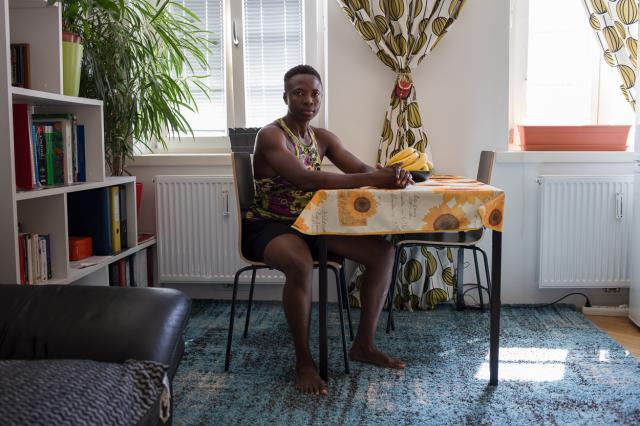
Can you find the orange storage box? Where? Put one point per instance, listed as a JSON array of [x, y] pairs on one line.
[[80, 247]]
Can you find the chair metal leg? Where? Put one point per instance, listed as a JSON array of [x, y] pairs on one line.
[[342, 333], [460, 282], [392, 287], [345, 301], [475, 261], [392, 321], [486, 271], [227, 357], [249, 302]]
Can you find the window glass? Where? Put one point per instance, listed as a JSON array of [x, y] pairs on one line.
[[273, 43], [567, 79], [211, 118]]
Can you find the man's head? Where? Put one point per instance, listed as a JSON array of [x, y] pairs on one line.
[[301, 69], [302, 92]]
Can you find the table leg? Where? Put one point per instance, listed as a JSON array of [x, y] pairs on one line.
[[494, 329], [322, 306]]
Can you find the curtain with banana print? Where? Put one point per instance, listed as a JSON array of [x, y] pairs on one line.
[[402, 33], [616, 25]]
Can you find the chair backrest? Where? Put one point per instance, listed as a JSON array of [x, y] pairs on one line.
[[243, 139], [243, 179], [245, 190], [485, 167]]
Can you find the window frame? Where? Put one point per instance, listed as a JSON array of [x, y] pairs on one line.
[[314, 39]]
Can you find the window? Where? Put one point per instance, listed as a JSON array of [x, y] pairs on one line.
[[257, 41], [558, 73]]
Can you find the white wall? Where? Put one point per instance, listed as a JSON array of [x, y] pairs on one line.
[[462, 87], [463, 90]]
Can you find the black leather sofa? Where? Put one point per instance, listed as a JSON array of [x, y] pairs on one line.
[[104, 324]]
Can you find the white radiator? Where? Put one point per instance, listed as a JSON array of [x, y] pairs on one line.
[[196, 224], [584, 230]]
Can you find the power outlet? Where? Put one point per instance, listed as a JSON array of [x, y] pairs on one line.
[[609, 311], [611, 290]]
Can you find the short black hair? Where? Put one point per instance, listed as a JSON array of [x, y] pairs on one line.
[[301, 69]]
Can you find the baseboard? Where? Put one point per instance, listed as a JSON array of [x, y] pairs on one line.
[[222, 291], [609, 311]]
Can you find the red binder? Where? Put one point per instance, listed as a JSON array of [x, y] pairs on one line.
[[22, 147]]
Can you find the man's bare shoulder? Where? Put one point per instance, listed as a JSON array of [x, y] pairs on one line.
[[325, 135], [269, 136]]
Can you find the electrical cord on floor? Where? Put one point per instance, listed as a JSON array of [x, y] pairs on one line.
[[587, 303]]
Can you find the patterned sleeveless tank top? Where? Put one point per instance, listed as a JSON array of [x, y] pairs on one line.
[[278, 199]]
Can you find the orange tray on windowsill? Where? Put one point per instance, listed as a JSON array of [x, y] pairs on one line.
[[574, 138]]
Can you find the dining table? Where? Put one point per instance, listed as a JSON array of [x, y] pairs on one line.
[[442, 203]]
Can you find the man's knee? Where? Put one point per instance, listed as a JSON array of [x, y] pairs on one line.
[[299, 266]]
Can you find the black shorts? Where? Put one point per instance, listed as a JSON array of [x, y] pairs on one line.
[[257, 234]]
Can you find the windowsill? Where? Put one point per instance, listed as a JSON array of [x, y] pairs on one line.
[[565, 157], [155, 160], [210, 159]]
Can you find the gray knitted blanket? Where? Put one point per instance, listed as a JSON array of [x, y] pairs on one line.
[[79, 392]]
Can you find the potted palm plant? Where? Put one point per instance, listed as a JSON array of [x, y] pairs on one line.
[[139, 59]]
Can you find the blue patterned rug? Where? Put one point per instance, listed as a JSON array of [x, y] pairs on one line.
[[556, 367]]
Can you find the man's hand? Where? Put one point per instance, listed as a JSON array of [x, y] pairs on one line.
[[402, 177]]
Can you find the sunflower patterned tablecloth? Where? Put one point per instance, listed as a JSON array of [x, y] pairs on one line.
[[441, 204]]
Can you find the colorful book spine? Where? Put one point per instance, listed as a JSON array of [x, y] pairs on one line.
[[82, 171], [41, 153], [114, 193], [36, 156], [49, 154], [23, 147], [64, 135], [34, 259], [29, 255], [22, 247], [123, 218], [47, 240], [20, 68]]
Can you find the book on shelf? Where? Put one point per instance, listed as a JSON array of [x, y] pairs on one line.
[[114, 215], [80, 154], [20, 67], [34, 258], [121, 273], [25, 169], [123, 268], [123, 217], [63, 127], [49, 148]]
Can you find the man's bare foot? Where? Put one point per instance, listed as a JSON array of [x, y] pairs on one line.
[[371, 355], [309, 381]]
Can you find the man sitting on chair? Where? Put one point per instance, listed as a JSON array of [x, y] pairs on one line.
[[286, 165]]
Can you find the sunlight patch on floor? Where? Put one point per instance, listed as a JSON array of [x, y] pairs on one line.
[[527, 365]]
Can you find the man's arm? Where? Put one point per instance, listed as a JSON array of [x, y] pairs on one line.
[[349, 163], [340, 156], [271, 144]]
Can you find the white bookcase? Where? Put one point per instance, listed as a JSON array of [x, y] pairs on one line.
[[44, 211]]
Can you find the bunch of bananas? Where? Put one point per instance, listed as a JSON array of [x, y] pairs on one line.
[[412, 160]]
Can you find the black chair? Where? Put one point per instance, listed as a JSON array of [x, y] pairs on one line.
[[464, 240], [245, 193]]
